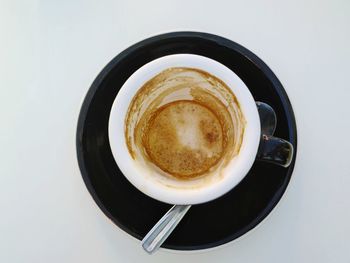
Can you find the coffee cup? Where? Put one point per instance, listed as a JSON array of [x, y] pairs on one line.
[[185, 129]]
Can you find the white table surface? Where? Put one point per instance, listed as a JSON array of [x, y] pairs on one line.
[[51, 51]]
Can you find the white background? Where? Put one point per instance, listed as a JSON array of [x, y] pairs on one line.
[[51, 51]]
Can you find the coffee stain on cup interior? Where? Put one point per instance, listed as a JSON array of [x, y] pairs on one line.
[[185, 124]]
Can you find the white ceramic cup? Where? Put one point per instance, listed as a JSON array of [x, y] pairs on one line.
[[142, 178]]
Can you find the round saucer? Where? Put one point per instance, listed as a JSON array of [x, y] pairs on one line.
[[206, 225]]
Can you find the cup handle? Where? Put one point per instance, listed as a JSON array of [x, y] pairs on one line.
[[272, 149], [275, 150]]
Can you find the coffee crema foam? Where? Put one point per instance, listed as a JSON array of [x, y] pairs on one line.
[[185, 124]]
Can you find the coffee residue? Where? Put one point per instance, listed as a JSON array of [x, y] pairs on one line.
[[186, 122], [184, 139]]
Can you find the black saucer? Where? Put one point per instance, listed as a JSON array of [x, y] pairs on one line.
[[206, 225]]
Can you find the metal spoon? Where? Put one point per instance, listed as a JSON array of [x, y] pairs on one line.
[[160, 232]]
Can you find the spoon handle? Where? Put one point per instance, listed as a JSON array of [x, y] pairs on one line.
[[159, 233]]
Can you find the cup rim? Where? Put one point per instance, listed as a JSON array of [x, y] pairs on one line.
[[242, 163]]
